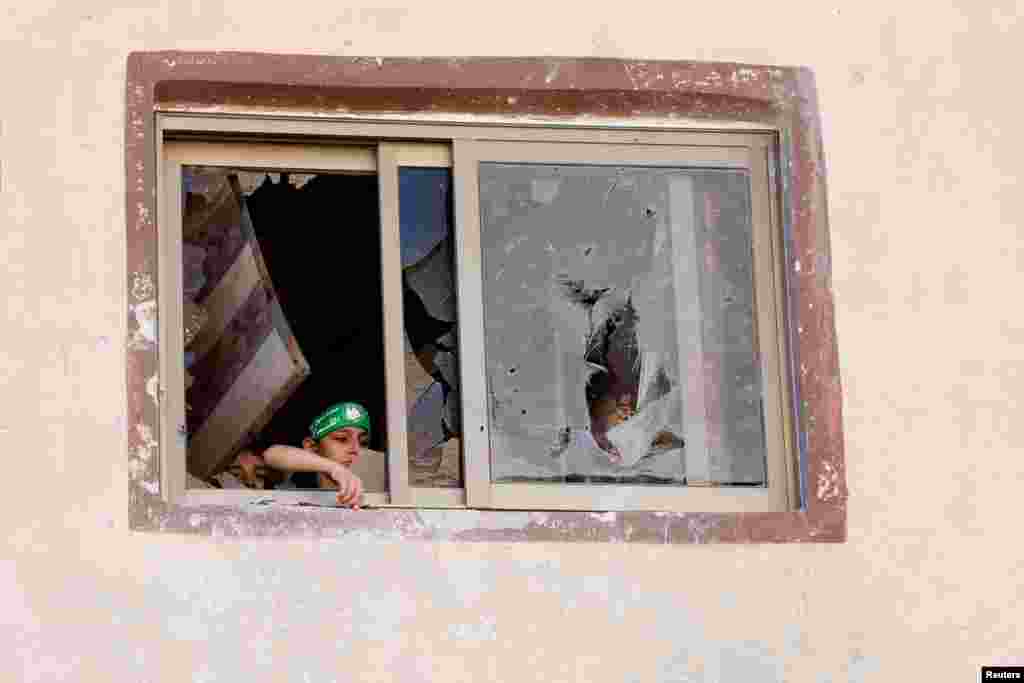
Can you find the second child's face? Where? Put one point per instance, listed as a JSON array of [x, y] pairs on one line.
[[344, 445]]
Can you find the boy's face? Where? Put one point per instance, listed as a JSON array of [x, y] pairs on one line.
[[343, 445]]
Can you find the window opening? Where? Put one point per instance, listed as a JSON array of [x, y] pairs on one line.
[[282, 299]]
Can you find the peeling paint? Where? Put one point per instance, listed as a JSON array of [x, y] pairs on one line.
[[144, 334], [699, 525], [744, 75], [143, 287], [552, 73], [145, 450], [828, 482], [859, 667], [481, 631], [152, 389], [136, 468], [455, 522]]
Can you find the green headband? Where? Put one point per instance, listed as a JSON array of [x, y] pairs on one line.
[[339, 416]]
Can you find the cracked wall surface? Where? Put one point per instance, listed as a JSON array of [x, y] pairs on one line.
[[923, 206]]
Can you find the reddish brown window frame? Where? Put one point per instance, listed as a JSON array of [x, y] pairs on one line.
[[783, 98]]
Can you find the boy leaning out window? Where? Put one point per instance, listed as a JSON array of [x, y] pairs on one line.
[[336, 441]]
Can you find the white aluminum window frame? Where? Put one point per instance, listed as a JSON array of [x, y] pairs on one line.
[[382, 147]]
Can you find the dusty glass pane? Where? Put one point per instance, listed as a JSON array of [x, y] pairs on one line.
[[619, 325], [431, 343], [283, 318]]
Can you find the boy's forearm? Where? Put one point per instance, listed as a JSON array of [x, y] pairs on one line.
[[291, 459]]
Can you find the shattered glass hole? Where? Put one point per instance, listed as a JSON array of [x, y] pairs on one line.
[[633, 333]]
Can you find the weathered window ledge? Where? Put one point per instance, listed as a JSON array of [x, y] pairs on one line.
[[577, 91]]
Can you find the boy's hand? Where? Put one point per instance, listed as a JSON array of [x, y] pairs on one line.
[[350, 486]]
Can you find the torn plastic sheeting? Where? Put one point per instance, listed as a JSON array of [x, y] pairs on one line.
[[634, 437]]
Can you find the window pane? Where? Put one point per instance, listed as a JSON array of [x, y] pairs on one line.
[[619, 325], [431, 343], [282, 300]]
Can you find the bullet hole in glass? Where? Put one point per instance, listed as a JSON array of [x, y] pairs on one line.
[[523, 411]]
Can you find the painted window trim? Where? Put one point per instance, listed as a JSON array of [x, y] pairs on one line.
[[545, 92]]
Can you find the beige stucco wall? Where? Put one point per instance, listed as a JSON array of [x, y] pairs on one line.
[[920, 111]]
